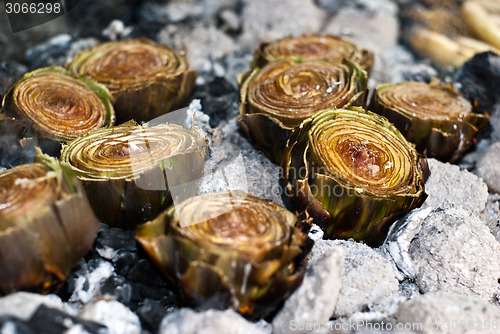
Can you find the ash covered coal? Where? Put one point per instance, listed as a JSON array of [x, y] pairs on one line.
[[117, 289]]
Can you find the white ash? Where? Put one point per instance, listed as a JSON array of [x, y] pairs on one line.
[[88, 284], [114, 315], [491, 215], [80, 45], [454, 251], [265, 20], [448, 186], [397, 244], [24, 304], [445, 312], [315, 300], [187, 321], [116, 30], [487, 168], [369, 282]]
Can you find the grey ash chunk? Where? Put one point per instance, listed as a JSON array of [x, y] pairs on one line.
[[449, 187], [265, 20], [187, 321], [449, 313], [454, 251], [491, 215], [369, 282], [315, 300], [488, 168]]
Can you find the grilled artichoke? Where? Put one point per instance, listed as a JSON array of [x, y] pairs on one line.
[[46, 225], [59, 106], [131, 173], [353, 172], [313, 46], [483, 16], [276, 98], [229, 249], [146, 79], [438, 119]]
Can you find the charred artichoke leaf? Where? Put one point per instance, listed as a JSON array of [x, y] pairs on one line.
[[131, 173], [353, 172], [57, 105], [229, 249], [46, 225], [276, 98], [146, 79], [434, 116], [313, 46]]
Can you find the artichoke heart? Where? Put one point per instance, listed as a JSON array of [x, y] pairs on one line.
[[353, 172], [313, 46], [435, 117], [230, 249], [46, 225], [59, 106], [276, 98], [131, 173], [146, 79]]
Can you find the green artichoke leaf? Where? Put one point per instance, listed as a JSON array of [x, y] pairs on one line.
[[146, 79], [46, 225], [434, 116], [353, 172], [229, 249], [279, 96]]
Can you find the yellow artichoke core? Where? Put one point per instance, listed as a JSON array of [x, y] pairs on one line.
[[294, 91], [362, 158], [124, 152], [364, 154], [244, 225], [423, 100], [27, 187], [61, 105], [312, 48]]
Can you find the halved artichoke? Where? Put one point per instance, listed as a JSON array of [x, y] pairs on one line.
[[313, 46], [437, 118], [276, 98], [130, 172], [57, 105], [353, 172], [146, 79], [229, 249], [46, 225]]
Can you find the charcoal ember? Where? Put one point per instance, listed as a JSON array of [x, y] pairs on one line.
[[10, 71], [479, 80], [146, 273], [151, 312], [11, 324], [51, 52], [218, 98], [124, 261], [52, 321], [17, 147], [116, 239], [118, 287]]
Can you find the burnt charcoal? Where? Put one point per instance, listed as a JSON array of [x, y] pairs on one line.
[[9, 324], [151, 312], [123, 262], [480, 80], [218, 98], [116, 239], [118, 287], [145, 273], [51, 321], [15, 149], [52, 52], [10, 72]]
